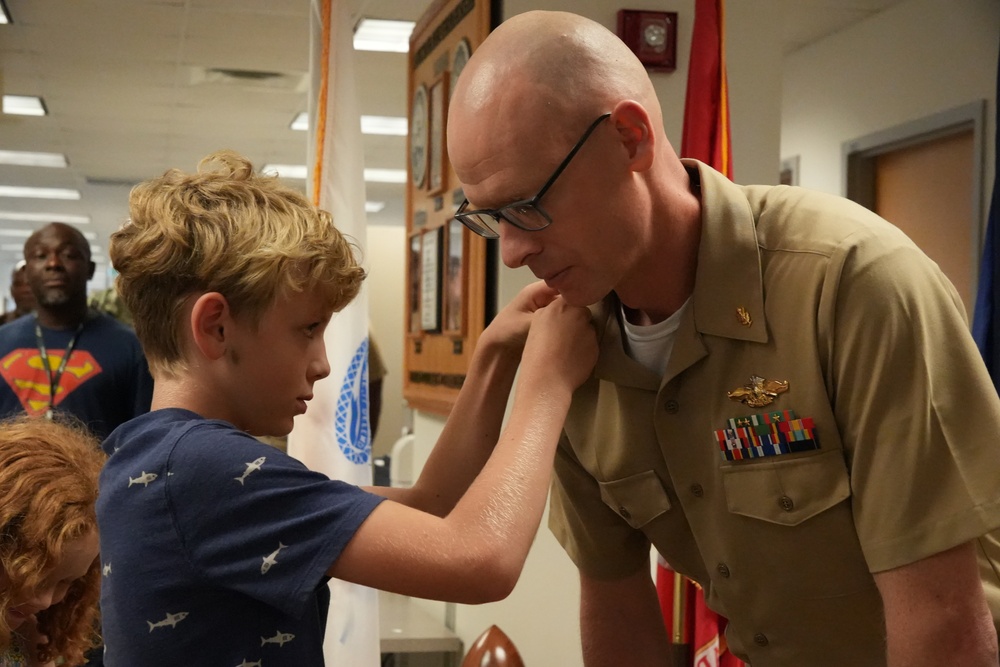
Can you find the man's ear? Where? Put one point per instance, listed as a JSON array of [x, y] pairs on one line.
[[210, 322], [633, 125]]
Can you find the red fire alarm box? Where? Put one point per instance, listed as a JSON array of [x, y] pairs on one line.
[[652, 36]]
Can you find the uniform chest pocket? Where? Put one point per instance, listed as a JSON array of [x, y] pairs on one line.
[[638, 498], [787, 492]]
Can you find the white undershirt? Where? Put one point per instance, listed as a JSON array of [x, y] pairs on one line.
[[652, 344]]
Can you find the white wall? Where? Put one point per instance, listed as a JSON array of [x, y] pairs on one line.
[[916, 59]]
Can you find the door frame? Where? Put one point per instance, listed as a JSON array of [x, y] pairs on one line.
[[858, 162]]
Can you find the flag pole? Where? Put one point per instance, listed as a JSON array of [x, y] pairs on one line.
[[680, 647]]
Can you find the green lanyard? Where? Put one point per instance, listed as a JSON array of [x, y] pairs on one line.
[[54, 378]]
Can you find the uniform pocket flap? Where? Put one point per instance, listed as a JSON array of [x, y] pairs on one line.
[[638, 499], [789, 491]]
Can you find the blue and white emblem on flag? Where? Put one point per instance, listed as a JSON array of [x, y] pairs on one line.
[[353, 431]]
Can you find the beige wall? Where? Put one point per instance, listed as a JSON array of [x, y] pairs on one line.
[[385, 264], [914, 60]]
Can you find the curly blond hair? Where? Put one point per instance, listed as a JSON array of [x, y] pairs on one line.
[[48, 493], [223, 229]]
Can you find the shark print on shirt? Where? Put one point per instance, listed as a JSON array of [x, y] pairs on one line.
[[271, 558], [145, 478], [171, 620], [252, 466], [279, 638]]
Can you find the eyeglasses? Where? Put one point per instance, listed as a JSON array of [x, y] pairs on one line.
[[526, 214]]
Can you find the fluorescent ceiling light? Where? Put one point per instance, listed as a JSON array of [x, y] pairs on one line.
[[46, 217], [391, 125], [4, 14], [30, 159], [382, 35], [23, 105], [385, 175], [38, 193], [299, 171], [12, 247], [387, 125], [286, 170], [374, 206], [17, 233]]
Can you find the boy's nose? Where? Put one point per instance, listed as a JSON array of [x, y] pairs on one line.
[[320, 368]]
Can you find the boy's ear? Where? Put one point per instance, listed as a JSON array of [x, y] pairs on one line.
[[210, 317], [635, 129]]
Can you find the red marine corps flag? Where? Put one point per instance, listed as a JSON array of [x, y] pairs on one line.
[[706, 106], [696, 632]]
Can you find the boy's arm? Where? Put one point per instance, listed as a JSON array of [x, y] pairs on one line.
[[475, 553], [473, 427]]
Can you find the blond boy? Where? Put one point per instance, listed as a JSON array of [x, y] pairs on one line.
[[216, 547]]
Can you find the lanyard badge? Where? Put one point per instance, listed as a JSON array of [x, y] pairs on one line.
[[55, 377]]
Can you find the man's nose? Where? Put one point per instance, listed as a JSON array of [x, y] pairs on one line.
[[517, 245]]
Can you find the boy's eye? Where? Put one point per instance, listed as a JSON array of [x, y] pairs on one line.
[[313, 328]]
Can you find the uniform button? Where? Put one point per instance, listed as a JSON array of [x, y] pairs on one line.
[[672, 406], [697, 491], [723, 570], [624, 512], [760, 639], [786, 503]]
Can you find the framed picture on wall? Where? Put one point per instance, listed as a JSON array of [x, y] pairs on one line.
[[789, 174], [430, 280], [458, 60], [454, 279], [418, 137], [436, 130], [414, 285]]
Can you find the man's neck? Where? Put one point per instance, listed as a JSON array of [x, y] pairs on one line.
[[68, 316], [665, 279]]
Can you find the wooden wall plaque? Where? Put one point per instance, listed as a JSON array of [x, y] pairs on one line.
[[450, 295]]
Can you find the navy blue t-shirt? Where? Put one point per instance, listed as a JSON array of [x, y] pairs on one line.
[[105, 381], [214, 546]]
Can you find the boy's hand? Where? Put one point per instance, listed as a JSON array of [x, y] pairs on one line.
[[510, 326], [562, 344]]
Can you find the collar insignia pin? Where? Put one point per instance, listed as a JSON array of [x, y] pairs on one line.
[[744, 316], [759, 392]]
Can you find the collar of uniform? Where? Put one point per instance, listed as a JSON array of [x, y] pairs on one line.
[[613, 364], [728, 276]]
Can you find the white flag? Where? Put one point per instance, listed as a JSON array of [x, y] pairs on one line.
[[333, 436]]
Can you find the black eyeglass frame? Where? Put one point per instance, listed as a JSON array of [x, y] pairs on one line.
[[499, 214]]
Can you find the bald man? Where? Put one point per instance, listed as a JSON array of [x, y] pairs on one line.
[[788, 403], [67, 358]]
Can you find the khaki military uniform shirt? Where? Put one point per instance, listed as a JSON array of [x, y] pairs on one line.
[[895, 455]]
